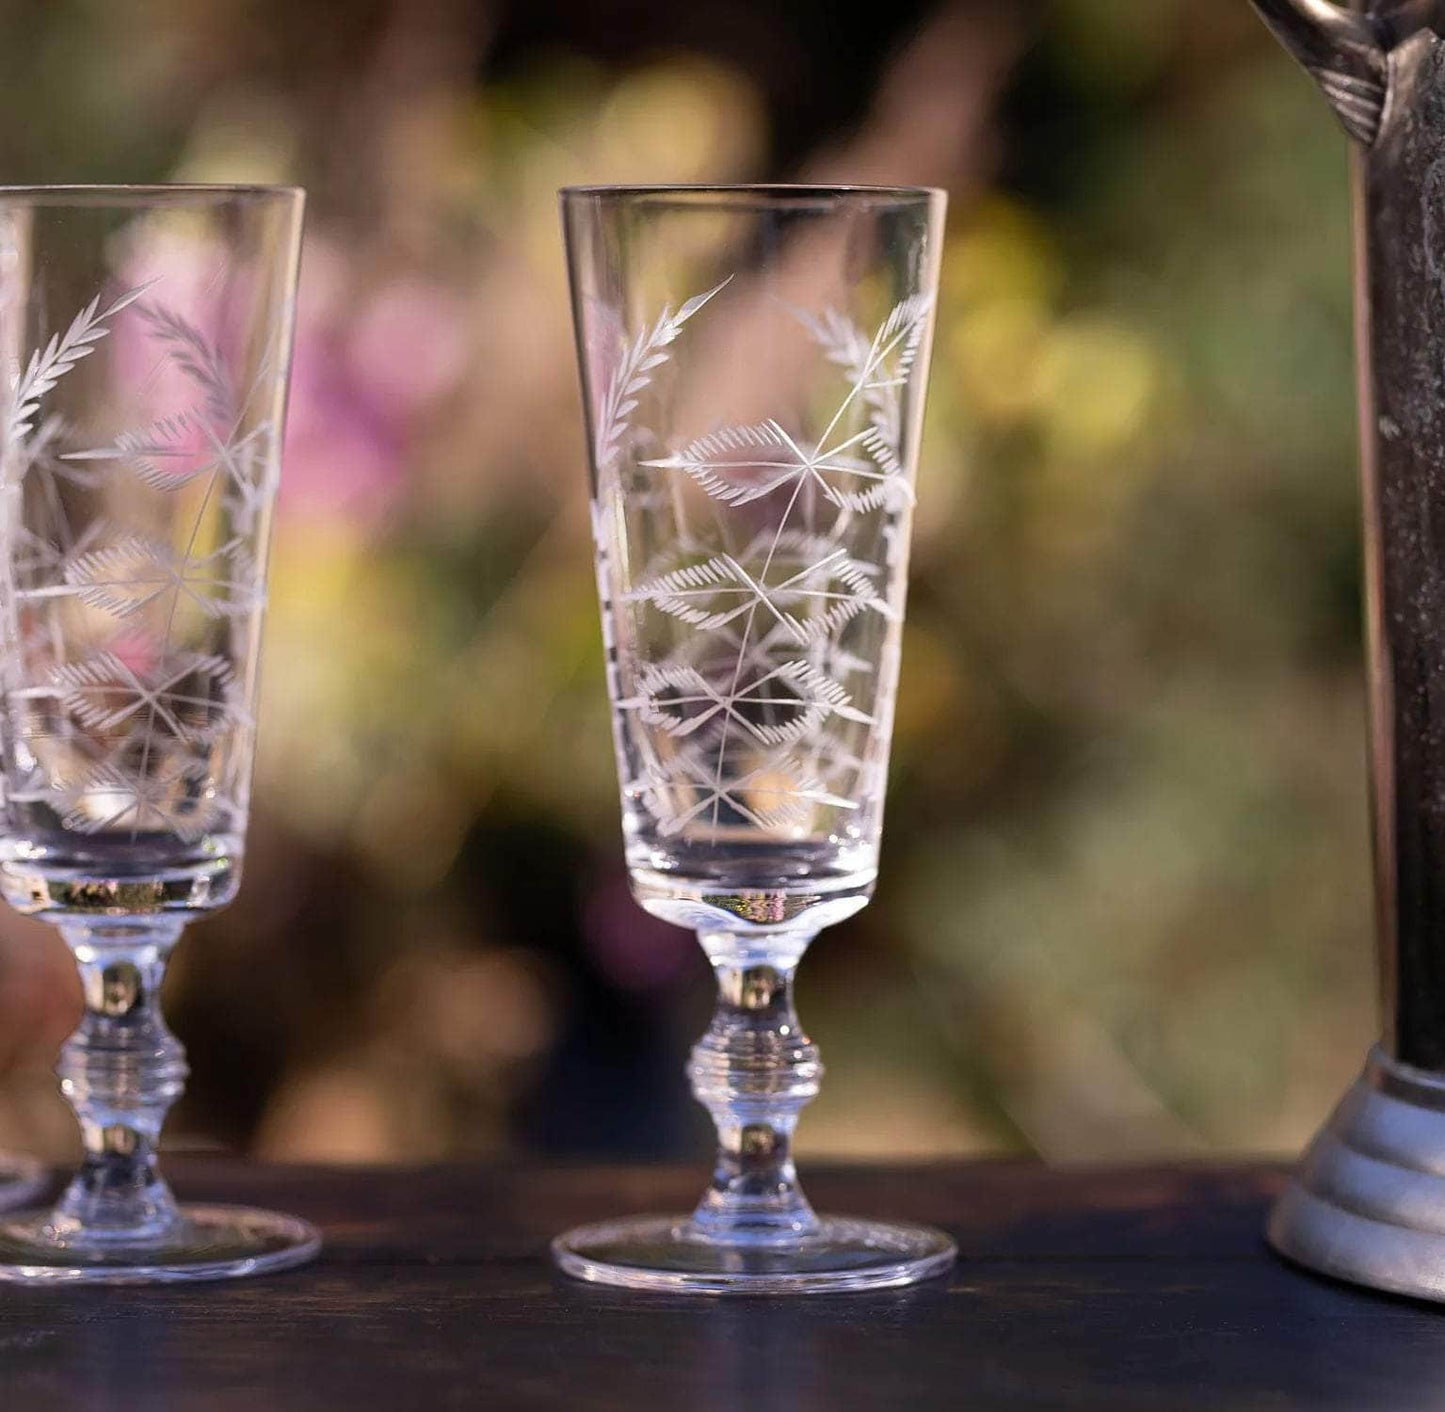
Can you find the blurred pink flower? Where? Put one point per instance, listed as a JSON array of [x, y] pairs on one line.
[[342, 457], [365, 373], [408, 346]]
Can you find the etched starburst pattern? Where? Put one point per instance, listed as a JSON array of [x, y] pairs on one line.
[[740, 464], [176, 797], [133, 572], [776, 796], [775, 707], [758, 707], [805, 584], [189, 695], [175, 450]]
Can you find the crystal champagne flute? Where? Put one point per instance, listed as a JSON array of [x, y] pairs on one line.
[[146, 339], [753, 365]]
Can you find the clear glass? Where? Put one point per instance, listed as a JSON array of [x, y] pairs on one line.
[[753, 366], [145, 335]]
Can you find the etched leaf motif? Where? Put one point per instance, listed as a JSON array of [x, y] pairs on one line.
[[175, 798], [175, 450], [667, 694], [777, 796], [196, 356], [741, 464], [776, 707], [124, 577], [634, 373], [190, 695], [48, 365], [736, 464], [821, 692], [866, 361], [902, 335], [168, 439], [804, 583]]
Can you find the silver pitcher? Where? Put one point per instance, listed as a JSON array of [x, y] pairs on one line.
[[1367, 1202]]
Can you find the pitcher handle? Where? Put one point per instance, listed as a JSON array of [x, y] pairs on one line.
[[1341, 52]]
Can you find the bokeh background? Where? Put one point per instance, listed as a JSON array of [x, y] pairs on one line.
[[1124, 905]]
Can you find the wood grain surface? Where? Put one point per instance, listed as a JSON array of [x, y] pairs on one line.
[[1138, 1288]]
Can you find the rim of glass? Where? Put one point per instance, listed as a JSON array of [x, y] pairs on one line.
[[775, 192], [122, 191]]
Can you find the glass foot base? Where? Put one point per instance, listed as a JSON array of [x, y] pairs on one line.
[[209, 1243], [21, 1181], [667, 1253]]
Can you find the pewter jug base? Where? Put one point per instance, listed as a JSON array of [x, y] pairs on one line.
[[1367, 1203]]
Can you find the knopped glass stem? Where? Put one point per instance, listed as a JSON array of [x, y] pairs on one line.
[[754, 1071], [120, 1071]]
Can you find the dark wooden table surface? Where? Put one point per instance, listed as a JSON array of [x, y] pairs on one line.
[[1120, 1290]]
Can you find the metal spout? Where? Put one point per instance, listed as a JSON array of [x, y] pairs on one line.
[[1344, 53]]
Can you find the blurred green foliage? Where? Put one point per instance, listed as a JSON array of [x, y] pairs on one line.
[[1124, 904]]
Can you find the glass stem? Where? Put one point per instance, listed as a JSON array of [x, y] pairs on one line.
[[120, 1071], [754, 1071]]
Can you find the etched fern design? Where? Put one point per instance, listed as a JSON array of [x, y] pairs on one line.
[[743, 717], [879, 378], [195, 355], [740, 464], [635, 372], [133, 572], [199, 441], [131, 717], [48, 365], [191, 695]]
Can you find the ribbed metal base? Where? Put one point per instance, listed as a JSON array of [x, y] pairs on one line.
[[1367, 1203]]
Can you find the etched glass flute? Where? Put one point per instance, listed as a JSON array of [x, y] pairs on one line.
[[146, 338], [753, 365]]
